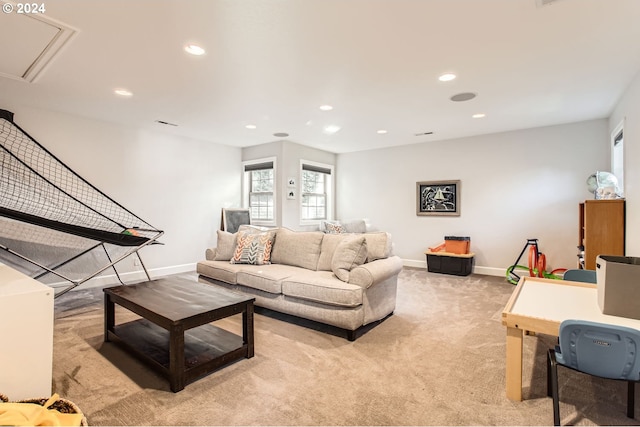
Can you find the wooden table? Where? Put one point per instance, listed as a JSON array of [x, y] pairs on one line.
[[539, 305], [175, 335]]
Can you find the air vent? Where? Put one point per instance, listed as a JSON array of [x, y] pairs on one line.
[[541, 3], [32, 42], [423, 133], [162, 122]]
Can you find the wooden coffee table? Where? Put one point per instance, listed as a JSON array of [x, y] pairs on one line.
[[175, 335]]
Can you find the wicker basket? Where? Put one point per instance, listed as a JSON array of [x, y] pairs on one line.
[[61, 405]]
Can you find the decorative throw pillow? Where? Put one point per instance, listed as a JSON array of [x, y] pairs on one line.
[[354, 226], [253, 248], [349, 254], [334, 228], [323, 225], [226, 245]]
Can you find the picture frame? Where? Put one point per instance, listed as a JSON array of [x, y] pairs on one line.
[[438, 198], [291, 194], [291, 182], [232, 219]]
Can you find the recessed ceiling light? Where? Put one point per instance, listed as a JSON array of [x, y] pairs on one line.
[[331, 129], [447, 77], [464, 96], [123, 92], [326, 107], [478, 116], [382, 131], [194, 49], [251, 126], [281, 134]]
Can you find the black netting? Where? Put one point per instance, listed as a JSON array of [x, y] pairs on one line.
[[54, 225], [36, 183]]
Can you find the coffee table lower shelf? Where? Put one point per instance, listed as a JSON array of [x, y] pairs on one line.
[[206, 348]]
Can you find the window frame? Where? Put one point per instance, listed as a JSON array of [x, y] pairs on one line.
[[618, 135], [246, 189], [329, 191]]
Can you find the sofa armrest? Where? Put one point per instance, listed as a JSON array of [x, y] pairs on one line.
[[369, 274], [210, 254]]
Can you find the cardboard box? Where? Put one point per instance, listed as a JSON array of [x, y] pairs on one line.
[[618, 282], [449, 263]]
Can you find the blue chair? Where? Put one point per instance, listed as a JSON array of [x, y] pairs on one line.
[[602, 350], [579, 275]]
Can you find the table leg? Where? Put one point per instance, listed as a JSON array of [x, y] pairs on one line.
[[514, 363], [176, 358], [247, 329], [109, 316]]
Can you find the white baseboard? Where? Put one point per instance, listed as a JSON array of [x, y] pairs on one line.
[[130, 277], [489, 271], [155, 273]]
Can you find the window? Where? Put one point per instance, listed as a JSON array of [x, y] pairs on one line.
[[259, 190], [316, 191], [617, 155]]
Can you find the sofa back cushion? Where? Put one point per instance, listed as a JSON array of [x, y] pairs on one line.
[[297, 248], [378, 247], [226, 246]]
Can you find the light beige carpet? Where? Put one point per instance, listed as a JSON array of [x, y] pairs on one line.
[[439, 360]]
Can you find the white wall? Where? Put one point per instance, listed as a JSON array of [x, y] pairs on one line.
[[514, 186], [178, 185], [288, 156], [628, 108]]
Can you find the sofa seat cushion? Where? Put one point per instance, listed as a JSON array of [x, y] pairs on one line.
[[323, 287], [297, 248], [220, 270], [266, 278]]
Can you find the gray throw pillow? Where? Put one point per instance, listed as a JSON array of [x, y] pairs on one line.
[[226, 246], [354, 226], [349, 254]]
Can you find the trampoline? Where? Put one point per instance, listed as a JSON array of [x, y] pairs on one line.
[[54, 225]]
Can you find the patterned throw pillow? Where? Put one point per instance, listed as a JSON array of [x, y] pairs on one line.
[[252, 248], [334, 228]]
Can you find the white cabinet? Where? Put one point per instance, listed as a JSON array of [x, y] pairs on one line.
[[26, 336]]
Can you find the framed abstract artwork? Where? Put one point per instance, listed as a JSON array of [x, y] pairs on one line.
[[438, 198]]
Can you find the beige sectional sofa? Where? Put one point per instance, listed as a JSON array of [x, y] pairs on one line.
[[344, 280]]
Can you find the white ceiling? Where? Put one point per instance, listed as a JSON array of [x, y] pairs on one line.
[[272, 63]]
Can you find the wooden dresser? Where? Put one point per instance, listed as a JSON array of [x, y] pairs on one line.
[[601, 230]]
